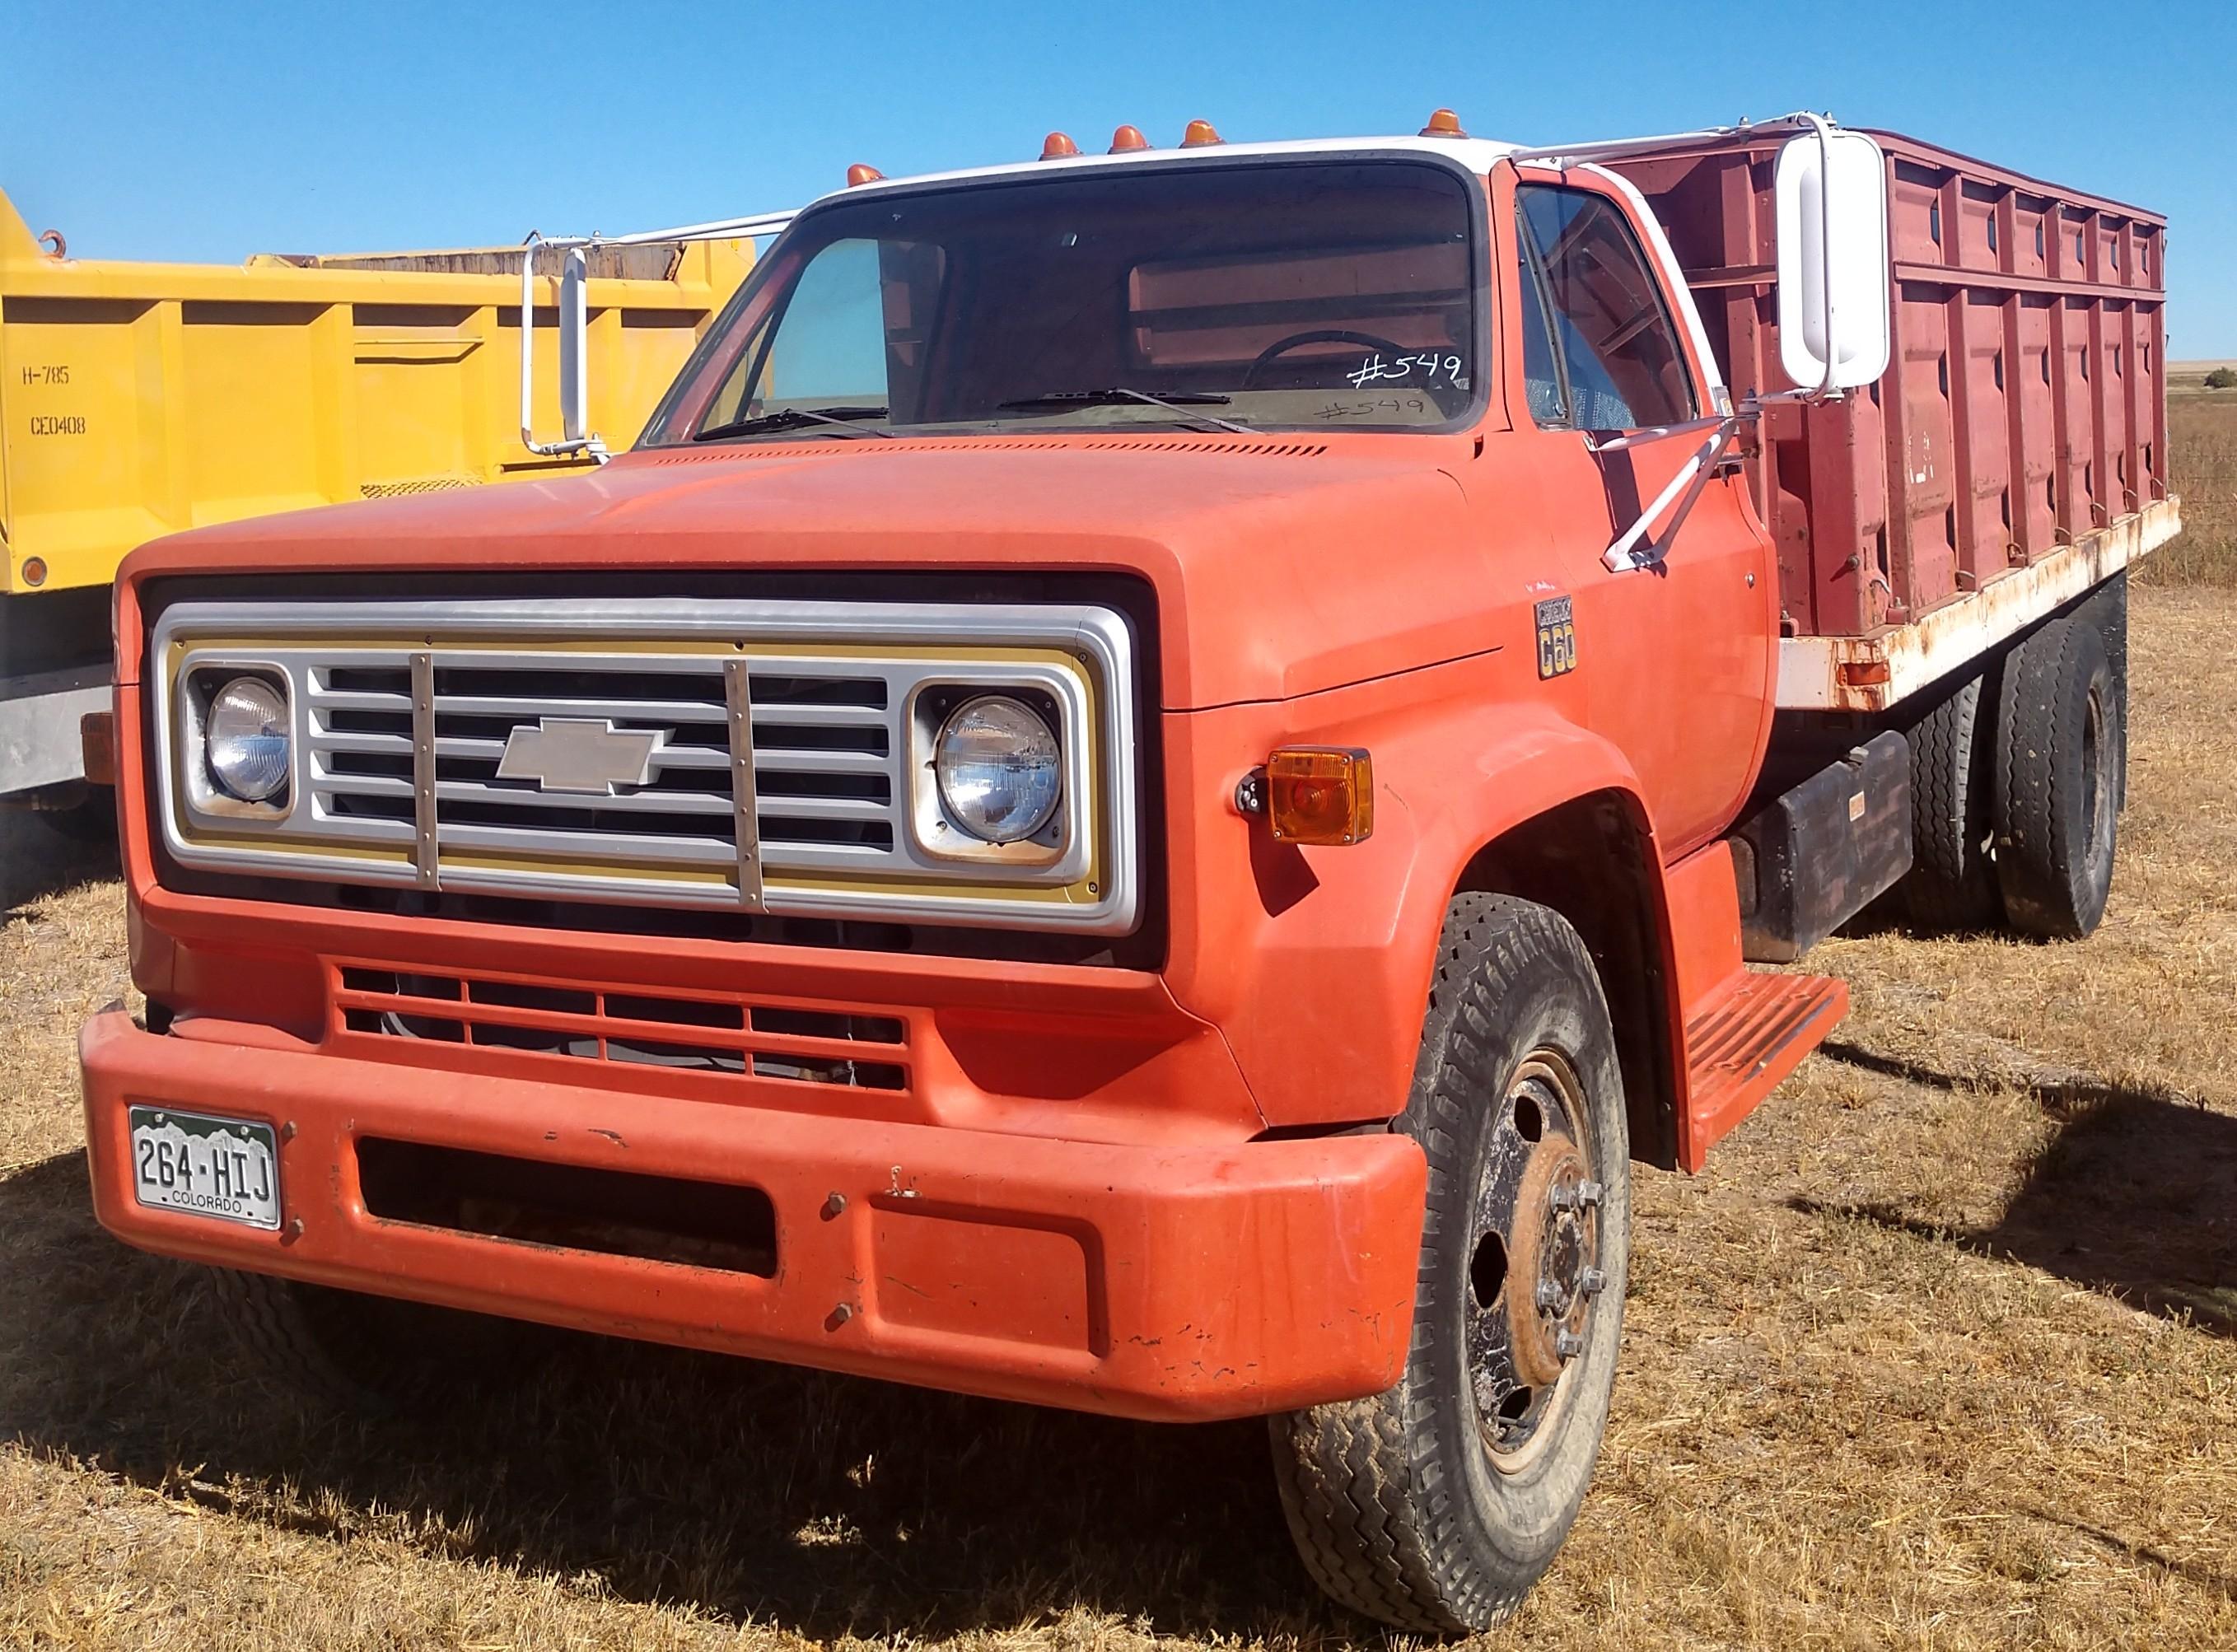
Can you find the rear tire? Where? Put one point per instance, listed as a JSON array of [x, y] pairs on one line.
[[1951, 884], [2107, 608], [1435, 1505], [2060, 758], [355, 1353]]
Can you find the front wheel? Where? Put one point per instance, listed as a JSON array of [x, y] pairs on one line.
[[1435, 1506]]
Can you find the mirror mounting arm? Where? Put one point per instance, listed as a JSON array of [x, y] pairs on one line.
[[576, 436], [574, 415], [1628, 553]]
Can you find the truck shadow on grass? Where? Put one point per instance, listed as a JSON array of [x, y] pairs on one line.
[[2136, 1195], [821, 1505], [36, 861]]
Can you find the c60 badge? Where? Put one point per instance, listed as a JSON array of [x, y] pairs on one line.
[[1557, 638]]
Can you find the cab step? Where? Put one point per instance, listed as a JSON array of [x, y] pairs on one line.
[[1753, 1032]]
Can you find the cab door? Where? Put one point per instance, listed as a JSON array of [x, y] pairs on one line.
[[1672, 664]]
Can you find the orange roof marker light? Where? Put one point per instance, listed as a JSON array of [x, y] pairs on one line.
[[1127, 139], [1200, 136], [862, 173], [1443, 123], [1057, 146]]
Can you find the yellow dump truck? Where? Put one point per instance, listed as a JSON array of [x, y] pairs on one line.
[[139, 398]]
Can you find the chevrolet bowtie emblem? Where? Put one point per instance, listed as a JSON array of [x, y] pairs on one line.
[[578, 754]]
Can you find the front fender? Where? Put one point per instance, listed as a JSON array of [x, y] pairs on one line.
[[1315, 962]]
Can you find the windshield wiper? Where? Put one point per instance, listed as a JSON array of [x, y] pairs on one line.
[[789, 418], [1180, 401]]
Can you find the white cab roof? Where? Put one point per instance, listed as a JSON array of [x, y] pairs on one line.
[[1478, 156]]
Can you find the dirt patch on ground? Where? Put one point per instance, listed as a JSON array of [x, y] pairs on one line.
[[1941, 1351]]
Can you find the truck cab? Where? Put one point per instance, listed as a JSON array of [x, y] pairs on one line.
[[1128, 801]]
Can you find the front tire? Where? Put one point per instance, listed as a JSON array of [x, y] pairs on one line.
[[1435, 1505]]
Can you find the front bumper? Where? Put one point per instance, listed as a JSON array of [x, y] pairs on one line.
[[1159, 1282]]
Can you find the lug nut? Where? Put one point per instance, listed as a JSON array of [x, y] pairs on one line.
[[1589, 1193], [1549, 1294], [1562, 1196], [1568, 1344], [1592, 1281]]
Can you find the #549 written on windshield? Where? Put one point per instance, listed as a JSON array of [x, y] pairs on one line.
[[1426, 368]]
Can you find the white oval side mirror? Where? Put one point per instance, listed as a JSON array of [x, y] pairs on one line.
[[1831, 194]]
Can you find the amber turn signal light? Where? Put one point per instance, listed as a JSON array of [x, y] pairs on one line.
[[1320, 794], [96, 736]]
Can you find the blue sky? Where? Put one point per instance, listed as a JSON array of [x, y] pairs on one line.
[[210, 131]]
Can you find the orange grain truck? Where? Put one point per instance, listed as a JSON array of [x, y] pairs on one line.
[[1158, 772]]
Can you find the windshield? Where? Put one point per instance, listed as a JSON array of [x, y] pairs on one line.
[[1253, 296]]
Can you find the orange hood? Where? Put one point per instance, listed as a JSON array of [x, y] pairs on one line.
[[1281, 568]]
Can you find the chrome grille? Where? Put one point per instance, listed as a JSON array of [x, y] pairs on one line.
[[403, 738], [825, 745]]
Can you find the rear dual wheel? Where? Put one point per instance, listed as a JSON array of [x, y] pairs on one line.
[[1952, 882], [2017, 780], [2060, 768], [1435, 1506]]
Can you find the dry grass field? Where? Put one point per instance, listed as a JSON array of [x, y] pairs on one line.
[[1940, 1353], [2202, 457]]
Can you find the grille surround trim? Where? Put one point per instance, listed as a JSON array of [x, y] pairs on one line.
[[380, 746]]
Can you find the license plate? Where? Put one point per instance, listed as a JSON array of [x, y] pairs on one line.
[[224, 1168]]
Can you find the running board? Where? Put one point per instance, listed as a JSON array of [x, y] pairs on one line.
[[1753, 1032]]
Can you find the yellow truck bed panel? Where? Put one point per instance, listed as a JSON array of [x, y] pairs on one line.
[[137, 400]]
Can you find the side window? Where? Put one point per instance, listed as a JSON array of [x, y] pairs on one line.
[[1616, 344], [851, 332], [833, 343]]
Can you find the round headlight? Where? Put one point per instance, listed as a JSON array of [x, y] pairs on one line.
[[246, 740], [998, 769]]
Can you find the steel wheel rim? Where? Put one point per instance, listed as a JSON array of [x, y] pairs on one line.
[[2097, 796], [1540, 1147]]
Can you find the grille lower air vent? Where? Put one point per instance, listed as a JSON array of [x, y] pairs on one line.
[[857, 1050]]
